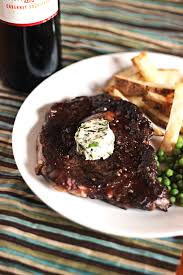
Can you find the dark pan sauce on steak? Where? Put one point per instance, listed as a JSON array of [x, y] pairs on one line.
[[128, 178]]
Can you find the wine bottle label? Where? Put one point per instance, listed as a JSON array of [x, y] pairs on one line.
[[27, 12]]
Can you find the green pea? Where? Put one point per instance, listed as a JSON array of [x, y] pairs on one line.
[[171, 165], [169, 188], [174, 192], [178, 177], [160, 179], [166, 181], [180, 184], [179, 143], [174, 186], [172, 200], [173, 179], [162, 158], [180, 197], [160, 153], [180, 139], [159, 172], [181, 161], [169, 172], [181, 171], [176, 166], [169, 159], [176, 152]]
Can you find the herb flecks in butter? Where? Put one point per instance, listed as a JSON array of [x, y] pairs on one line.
[[94, 139]]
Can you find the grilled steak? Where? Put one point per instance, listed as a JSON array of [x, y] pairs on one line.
[[126, 179]]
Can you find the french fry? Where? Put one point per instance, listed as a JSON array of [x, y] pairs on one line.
[[137, 100], [146, 67], [133, 99], [133, 87], [128, 73], [175, 120], [152, 90], [158, 102], [170, 77], [117, 93], [158, 132], [150, 73], [158, 98]]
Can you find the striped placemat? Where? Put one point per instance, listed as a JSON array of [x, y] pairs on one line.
[[33, 238], [93, 27]]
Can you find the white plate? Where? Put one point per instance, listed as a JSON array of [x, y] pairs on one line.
[[85, 78]]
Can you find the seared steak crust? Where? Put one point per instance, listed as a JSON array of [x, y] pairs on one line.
[[127, 178]]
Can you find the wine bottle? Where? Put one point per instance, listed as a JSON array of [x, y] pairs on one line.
[[29, 42]]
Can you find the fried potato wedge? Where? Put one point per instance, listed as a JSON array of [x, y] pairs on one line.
[[158, 98], [175, 120], [150, 73], [129, 72], [116, 93], [150, 88], [155, 115], [134, 99], [158, 102], [146, 67], [163, 109], [170, 77], [138, 88]]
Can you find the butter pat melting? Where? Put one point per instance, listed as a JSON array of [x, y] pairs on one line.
[[94, 139]]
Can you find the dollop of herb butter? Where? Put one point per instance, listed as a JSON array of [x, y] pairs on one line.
[[94, 139]]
